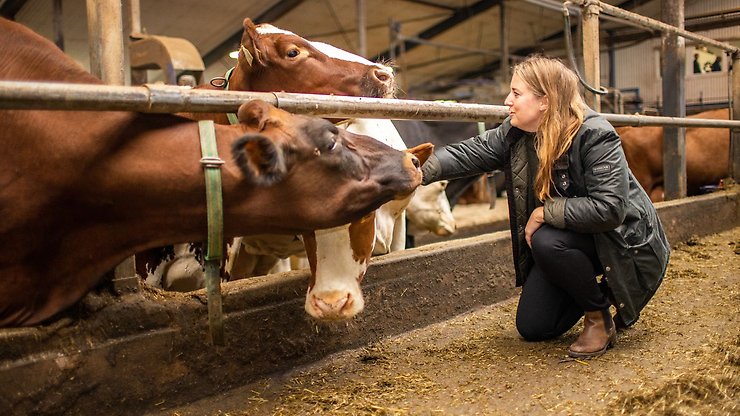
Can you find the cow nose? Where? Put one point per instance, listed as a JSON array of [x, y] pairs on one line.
[[382, 75], [333, 305], [416, 162]]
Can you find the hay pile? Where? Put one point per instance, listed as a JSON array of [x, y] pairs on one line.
[[714, 389]]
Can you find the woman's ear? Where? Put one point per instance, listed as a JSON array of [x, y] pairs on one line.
[[544, 103]]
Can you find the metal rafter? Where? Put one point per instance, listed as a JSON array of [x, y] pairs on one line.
[[431, 4], [9, 8], [458, 16], [490, 67], [275, 12]]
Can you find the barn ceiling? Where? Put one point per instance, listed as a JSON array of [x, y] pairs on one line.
[[451, 46]]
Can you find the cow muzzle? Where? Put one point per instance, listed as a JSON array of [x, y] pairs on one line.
[[334, 305]]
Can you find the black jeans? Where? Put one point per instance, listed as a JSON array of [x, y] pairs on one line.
[[561, 285]]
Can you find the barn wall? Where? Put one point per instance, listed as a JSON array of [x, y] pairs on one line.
[[147, 351], [639, 66]]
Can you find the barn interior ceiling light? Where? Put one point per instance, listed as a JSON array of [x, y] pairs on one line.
[[234, 54]]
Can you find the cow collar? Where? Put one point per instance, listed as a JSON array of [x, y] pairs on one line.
[[215, 213]]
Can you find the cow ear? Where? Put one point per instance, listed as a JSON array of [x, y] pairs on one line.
[[252, 41], [422, 151], [260, 160], [255, 114]]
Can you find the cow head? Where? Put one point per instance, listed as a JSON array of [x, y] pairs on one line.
[[272, 59], [429, 209], [329, 175], [339, 257]]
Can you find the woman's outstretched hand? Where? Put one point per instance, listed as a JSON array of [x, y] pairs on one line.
[[536, 219]]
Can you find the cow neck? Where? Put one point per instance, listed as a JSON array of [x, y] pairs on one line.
[[233, 119], [215, 213], [223, 82]]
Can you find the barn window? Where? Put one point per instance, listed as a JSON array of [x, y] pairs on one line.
[[705, 60]]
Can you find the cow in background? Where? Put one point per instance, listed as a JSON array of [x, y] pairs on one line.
[[441, 133], [707, 155]]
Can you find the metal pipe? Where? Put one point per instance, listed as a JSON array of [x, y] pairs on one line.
[[58, 24], [361, 28], [591, 55], [105, 30], [503, 20], [735, 114], [413, 39], [173, 99], [673, 64], [656, 24], [134, 16]]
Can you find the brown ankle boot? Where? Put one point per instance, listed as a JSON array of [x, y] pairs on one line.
[[598, 334]]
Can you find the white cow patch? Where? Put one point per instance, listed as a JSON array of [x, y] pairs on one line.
[[336, 293]]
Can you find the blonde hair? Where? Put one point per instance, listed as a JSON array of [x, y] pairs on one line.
[[549, 77]]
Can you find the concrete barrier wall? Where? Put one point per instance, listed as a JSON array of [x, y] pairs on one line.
[[147, 350]]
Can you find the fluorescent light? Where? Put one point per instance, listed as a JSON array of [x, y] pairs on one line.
[[234, 54]]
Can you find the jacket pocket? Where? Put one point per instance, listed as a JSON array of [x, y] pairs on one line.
[[649, 262]]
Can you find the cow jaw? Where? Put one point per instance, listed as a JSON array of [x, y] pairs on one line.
[[339, 263]]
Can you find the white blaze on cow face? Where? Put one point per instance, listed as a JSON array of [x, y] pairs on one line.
[[338, 266]]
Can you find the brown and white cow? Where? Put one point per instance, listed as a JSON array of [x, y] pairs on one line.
[[273, 59], [340, 255], [83, 190], [269, 59], [707, 155]]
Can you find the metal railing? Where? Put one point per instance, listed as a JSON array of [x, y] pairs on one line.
[[172, 99]]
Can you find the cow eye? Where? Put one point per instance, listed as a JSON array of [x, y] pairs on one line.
[[332, 145], [331, 138], [293, 53]]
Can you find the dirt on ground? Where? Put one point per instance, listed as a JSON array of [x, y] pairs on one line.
[[681, 358]]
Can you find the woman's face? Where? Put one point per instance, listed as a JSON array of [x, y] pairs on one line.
[[525, 108]]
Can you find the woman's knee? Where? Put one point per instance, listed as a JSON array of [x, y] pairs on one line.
[[545, 242], [532, 332], [533, 327]]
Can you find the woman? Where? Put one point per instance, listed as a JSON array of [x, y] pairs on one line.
[[576, 211]]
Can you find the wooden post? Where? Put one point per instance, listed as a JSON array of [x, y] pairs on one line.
[[590, 42], [105, 30], [673, 69], [735, 133]]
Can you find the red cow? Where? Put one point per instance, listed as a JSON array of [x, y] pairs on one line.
[[273, 59], [707, 155], [83, 190]]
